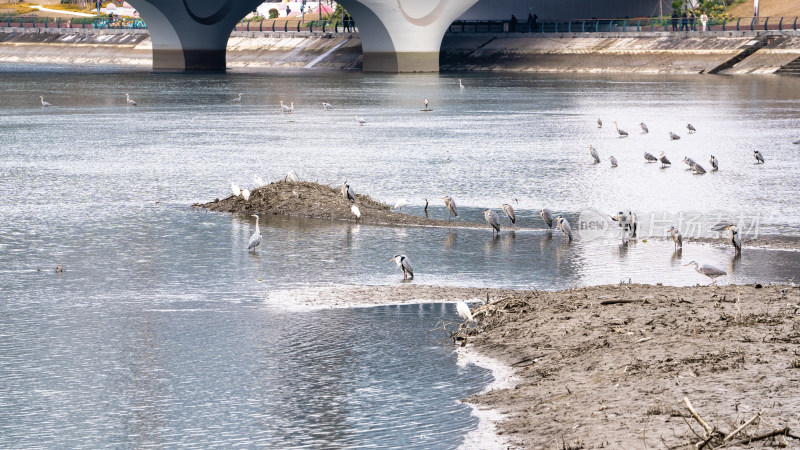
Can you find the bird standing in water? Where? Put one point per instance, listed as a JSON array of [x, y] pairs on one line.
[[255, 239], [404, 263]]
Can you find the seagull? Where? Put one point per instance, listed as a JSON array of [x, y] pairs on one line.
[[246, 194], [327, 106], [510, 213], [644, 128], [460, 86], [622, 133], [714, 164], [664, 161], [287, 109], [649, 157], [595, 156], [404, 263], [492, 219], [563, 225], [690, 127], [599, 123], [709, 271], [356, 212], [360, 120], [463, 311], [400, 203], [547, 216], [613, 161], [129, 100], [237, 100], [255, 239], [258, 181], [235, 189], [451, 207], [759, 157], [673, 136], [676, 237], [44, 103]]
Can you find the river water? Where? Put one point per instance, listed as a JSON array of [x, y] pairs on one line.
[[159, 332]]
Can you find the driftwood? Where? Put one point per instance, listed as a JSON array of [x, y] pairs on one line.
[[614, 302], [706, 426], [782, 432], [734, 432]]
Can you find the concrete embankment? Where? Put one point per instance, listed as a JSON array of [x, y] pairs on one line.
[[729, 52]]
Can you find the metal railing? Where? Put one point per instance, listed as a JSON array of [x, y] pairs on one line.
[[295, 25], [624, 25], [78, 22]]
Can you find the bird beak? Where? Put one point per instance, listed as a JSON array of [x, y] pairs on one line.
[[392, 259], [686, 265]]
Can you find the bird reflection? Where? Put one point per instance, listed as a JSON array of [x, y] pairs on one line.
[[735, 263], [490, 244], [623, 250], [676, 256], [508, 240], [450, 239]]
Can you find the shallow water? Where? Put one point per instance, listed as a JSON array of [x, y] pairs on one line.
[[158, 333]]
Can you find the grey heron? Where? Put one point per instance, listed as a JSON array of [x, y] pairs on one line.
[[510, 213], [677, 238], [44, 103], [673, 136], [463, 311], [645, 130], [355, 211], [691, 128], [400, 203], [460, 86], [714, 163], [237, 100], [547, 216], [426, 207], [649, 157], [129, 100], [246, 194], [492, 219], [663, 159], [689, 161], [734, 237], [613, 161], [287, 109], [599, 123], [622, 133], [360, 120], [235, 189], [404, 263], [797, 142], [451, 207], [327, 106], [593, 153], [255, 239], [626, 221], [759, 157], [563, 225], [258, 181], [348, 193], [697, 169], [707, 270]]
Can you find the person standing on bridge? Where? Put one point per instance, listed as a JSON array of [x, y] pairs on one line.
[[684, 21], [692, 21], [704, 20], [674, 20]]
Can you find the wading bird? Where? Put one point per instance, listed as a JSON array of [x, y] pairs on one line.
[[238, 99], [287, 109], [649, 157], [492, 219], [400, 203], [563, 225], [235, 189], [404, 263], [129, 100], [622, 133], [673, 136], [676, 237], [595, 156], [510, 213], [426, 207], [734, 237], [255, 239], [714, 163], [44, 103], [258, 181], [707, 270], [327, 106], [759, 157], [463, 311], [290, 176], [627, 222], [599, 123], [547, 216], [797, 142], [355, 211], [613, 161], [690, 127], [460, 86], [246, 194], [697, 169], [360, 120], [451, 207], [689, 161], [645, 130], [425, 102], [663, 159], [348, 193]]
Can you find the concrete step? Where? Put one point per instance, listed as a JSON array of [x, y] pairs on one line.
[[792, 68]]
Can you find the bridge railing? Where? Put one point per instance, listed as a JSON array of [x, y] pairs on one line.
[[76, 22], [294, 24], [625, 25]]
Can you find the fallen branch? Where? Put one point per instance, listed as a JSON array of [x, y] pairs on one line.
[[697, 417], [614, 302], [782, 432], [733, 433]]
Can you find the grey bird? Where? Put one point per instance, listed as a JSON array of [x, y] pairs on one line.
[[348, 193], [613, 161], [510, 213], [44, 103], [644, 128], [734, 237], [689, 161], [599, 123], [404, 263], [563, 225], [255, 239], [492, 219], [649, 157], [759, 157], [663, 159], [690, 127], [676, 237], [237, 100], [547, 216], [673, 136], [451, 207], [707, 270], [595, 156], [697, 169], [714, 163], [622, 133]]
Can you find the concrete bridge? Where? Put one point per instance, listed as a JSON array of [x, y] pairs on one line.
[[396, 35]]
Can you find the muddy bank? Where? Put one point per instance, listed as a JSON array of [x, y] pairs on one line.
[[614, 375]]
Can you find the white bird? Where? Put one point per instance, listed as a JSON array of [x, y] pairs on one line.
[[707, 270], [356, 212], [258, 181], [348, 193], [595, 156], [492, 219], [451, 207], [547, 216], [236, 101], [690, 127], [44, 103], [613, 161], [404, 263], [426, 103], [677, 238], [510, 213], [287, 109], [327, 106], [673, 136], [759, 157], [622, 133], [599, 123], [649, 157], [563, 225], [360, 120], [235, 189], [460, 86], [663, 159], [400, 203], [291, 176], [255, 239], [246, 194], [714, 163], [644, 128], [129, 100], [463, 311]]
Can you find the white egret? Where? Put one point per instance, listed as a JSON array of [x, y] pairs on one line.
[[673, 136], [287, 109], [291, 176], [649, 157], [622, 133], [129, 100], [451, 207], [595, 156], [759, 157], [327, 106], [563, 225], [663, 159], [360, 120], [677, 238], [400, 203], [492, 219], [547, 216], [460, 86], [258, 181], [235, 189], [645, 130], [425, 102], [510, 213], [355, 211], [255, 239], [463, 311], [237, 100], [246, 194], [691, 128], [707, 270], [44, 103], [404, 263], [613, 161], [714, 163]]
